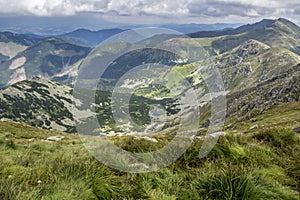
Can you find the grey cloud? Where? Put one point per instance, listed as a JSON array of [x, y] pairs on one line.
[[218, 9], [221, 8]]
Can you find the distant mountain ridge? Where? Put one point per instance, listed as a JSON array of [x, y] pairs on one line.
[[22, 39], [60, 57], [265, 23], [256, 76], [259, 65], [48, 57], [193, 27], [275, 33], [89, 38]]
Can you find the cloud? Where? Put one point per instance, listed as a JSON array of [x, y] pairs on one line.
[[176, 9], [71, 7], [221, 8], [52, 7]]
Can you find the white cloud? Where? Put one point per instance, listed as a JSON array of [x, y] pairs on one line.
[[52, 7], [168, 9]]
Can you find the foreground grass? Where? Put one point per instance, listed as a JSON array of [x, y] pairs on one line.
[[262, 165]]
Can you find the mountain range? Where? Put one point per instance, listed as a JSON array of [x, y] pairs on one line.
[[259, 64], [87, 37], [275, 33]]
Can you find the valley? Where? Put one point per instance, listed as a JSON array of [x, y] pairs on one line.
[[239, 87]]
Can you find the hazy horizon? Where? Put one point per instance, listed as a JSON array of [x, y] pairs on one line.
[[59, 25], [66, 15]]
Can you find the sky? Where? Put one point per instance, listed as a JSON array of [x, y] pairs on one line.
[[152, 11]]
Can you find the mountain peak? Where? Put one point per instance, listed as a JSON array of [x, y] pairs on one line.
[[259, 25], [284, 20], [265, 23], [287, 22]]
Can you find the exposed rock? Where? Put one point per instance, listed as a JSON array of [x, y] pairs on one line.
[[254, 127], [19, 62], [3, 119], [229, 126], [11, 49], [193, 138], [217, 134], [205, 124], [17, 76], [55, 138], [297, 130], [253, 101], [147, 138]]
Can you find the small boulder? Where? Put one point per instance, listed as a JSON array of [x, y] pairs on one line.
[[297, 130], [254, 127], [205, 124], [55, 138], [218, 134], [147, 138], [193, 138]]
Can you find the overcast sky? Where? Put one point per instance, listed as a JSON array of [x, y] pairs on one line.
[[158, 11]]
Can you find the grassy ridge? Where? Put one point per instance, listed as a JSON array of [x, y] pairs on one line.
[[262, 164]]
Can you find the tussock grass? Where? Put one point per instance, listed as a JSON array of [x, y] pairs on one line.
[[262, 165]]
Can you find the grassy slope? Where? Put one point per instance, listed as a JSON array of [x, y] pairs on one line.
[[261, 164], [284, 115]]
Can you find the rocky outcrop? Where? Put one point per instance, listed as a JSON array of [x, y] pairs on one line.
[[253, 101]]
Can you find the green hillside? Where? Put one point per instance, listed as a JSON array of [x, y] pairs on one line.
[[248, 164], [50, 56], [256, 157], [39, 103], [21, 39], [276, 33]]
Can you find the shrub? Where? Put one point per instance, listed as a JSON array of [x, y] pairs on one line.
[[229, 184], [239, 184]]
